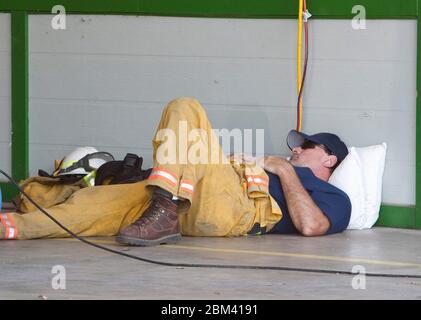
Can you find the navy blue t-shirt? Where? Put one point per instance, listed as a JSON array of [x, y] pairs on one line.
[[333, 202]]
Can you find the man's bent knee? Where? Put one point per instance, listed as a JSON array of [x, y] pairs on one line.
[[185, 104]]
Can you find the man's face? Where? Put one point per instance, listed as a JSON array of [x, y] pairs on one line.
[[311, 155]]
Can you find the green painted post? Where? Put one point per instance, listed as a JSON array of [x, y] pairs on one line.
[[417, 221], [19, 76], [20, 136]]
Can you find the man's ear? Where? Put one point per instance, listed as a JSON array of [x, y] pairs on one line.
[[330, 161]]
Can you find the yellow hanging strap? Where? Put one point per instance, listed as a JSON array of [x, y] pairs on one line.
[[299, 44]]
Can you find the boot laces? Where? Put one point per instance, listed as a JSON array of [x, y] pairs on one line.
[[151, 215]]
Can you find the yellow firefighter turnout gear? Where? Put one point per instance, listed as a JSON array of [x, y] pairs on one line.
[[47, 192], [218, 198]]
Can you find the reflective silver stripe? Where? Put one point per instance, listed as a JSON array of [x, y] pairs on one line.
[[6, 220], [257, 180], [187, 187], [164, 174], [10, 231], [260, 180]]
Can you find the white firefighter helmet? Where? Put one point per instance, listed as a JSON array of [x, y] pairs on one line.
[[83, 161]]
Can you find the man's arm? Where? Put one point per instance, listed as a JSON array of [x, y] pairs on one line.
[[305, 214]]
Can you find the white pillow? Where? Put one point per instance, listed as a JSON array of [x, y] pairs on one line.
[[372, 159], [348, 177], [360, 176]]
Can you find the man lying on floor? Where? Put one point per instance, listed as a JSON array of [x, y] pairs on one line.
[[217, 198]]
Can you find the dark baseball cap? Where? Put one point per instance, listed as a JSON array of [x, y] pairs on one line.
[[330, 140]]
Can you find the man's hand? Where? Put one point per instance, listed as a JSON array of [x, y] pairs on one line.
[[305, 214], [276, 164]]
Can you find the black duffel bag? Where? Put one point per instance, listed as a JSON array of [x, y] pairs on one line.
[[128, 170]]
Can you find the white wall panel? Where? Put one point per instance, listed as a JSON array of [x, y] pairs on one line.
[[105, 79]]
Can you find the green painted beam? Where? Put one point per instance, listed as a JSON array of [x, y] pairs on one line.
[[82, 6], [342, 9], [375, 9], [396, 217], [222, 8]]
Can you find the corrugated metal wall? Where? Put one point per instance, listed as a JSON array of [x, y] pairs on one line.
[[105, 79], [5, 93]]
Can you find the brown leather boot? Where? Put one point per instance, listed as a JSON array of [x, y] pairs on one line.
[[158, 224]]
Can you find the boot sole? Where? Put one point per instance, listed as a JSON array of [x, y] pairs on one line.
[[146, 243]]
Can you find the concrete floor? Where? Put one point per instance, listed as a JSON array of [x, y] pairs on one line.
[[26, 268]]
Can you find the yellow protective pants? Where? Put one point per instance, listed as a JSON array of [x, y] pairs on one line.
[[218, 198]]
